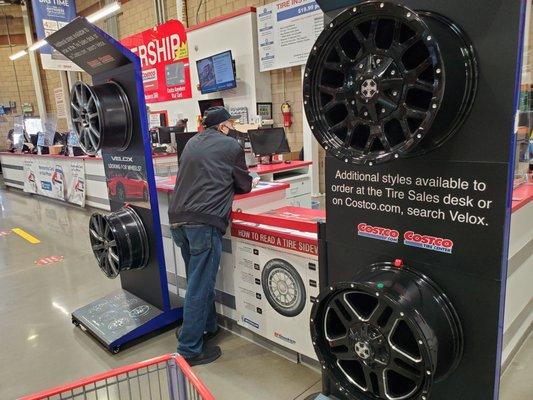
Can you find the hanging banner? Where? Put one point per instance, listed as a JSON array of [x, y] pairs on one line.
[[59, 179], [286, 31], [164, 60], [50, 16], [60, 103]]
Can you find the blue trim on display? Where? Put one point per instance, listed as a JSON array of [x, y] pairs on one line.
[[509, 199]]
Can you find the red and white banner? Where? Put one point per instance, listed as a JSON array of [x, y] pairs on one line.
[[164, 58], [282, 240]]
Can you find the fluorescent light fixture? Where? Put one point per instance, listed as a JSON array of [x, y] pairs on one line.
[[104, 12], [19, 54], [37, 45]]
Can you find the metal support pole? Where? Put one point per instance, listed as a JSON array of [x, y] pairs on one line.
[[34, 63], [111, 23], [66, 95], [181, 10], [160, 11]]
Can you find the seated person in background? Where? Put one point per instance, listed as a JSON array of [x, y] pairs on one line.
[[10, 143]]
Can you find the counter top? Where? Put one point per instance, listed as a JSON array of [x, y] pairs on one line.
[[279, 167], [522, 195], [166, 185], [85, 157]]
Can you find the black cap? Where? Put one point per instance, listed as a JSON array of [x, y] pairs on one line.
[[216, 115]]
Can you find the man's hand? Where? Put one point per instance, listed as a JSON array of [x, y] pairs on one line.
[[255, 179]]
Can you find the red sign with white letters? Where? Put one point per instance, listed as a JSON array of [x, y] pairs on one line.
[[164, 56]]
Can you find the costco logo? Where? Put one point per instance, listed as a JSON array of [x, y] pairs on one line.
[[377, 232], [428, 242]]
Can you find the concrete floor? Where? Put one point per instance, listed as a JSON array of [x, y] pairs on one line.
[[40, 348]]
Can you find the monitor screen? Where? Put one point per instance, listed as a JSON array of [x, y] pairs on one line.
[[33, 126], [205, 104], [164, 133], [266, 142], [181, 141], [216, 73]]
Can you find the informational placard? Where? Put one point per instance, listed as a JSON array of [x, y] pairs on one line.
[[164, 60], [59, 179], [60, 103], [286, 31], [49, 17]]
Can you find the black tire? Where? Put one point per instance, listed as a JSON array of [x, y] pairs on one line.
[[119, 241], [283, 287]]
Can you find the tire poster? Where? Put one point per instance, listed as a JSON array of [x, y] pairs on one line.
[[63, 180]]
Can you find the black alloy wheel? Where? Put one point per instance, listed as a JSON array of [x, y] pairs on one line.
[[383, 82], [119, 241], [101, 116], [389, 334]]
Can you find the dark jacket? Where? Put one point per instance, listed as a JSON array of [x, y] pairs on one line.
[[212, 169]]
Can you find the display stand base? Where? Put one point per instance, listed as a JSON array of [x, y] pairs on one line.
[[121, 317]]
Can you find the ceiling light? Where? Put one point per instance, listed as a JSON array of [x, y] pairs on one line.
[[37, 45], [19, 54], [104, 12], [97, 16]]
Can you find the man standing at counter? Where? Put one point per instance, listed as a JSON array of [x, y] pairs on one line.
[[212, 169]]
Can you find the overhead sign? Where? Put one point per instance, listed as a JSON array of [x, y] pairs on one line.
[[164, 60], [286, 31], [49, 17]]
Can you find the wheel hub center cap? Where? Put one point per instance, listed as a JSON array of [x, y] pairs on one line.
[[362, 349], [369, 344], [369, 88], [282, 286]]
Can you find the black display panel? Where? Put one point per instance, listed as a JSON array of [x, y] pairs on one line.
[[270, 141], [443, 212]]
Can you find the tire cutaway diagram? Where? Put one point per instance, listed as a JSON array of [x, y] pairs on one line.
[[283, 287]]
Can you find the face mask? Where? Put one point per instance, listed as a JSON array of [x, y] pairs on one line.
[[224, 129]]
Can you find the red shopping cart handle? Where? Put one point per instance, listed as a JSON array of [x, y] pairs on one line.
[[185, 368]]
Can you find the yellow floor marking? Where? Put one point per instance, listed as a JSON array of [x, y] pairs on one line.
[[26, 235]]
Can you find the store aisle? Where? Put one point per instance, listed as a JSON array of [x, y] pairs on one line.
[[41, 348]]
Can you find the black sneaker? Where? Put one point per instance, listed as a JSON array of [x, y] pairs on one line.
[[207, 335], [207, 356], [211, 335]]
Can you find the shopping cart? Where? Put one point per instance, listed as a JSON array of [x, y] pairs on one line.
[[167, 377]]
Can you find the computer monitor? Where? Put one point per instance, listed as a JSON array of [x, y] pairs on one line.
[[33, 126], [181, 141], [164, 133], [205, 104], [268, 142], [216, 73]]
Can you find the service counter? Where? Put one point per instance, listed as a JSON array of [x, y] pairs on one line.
[[519, 298], [96, 193], [286, 185]]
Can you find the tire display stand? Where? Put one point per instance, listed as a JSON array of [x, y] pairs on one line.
[[110, 117], [414, 103]]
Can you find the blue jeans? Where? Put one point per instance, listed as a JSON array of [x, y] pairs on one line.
[[201, 248]]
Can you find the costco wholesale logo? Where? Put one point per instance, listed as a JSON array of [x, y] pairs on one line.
[[411, 238], [377, 232]]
